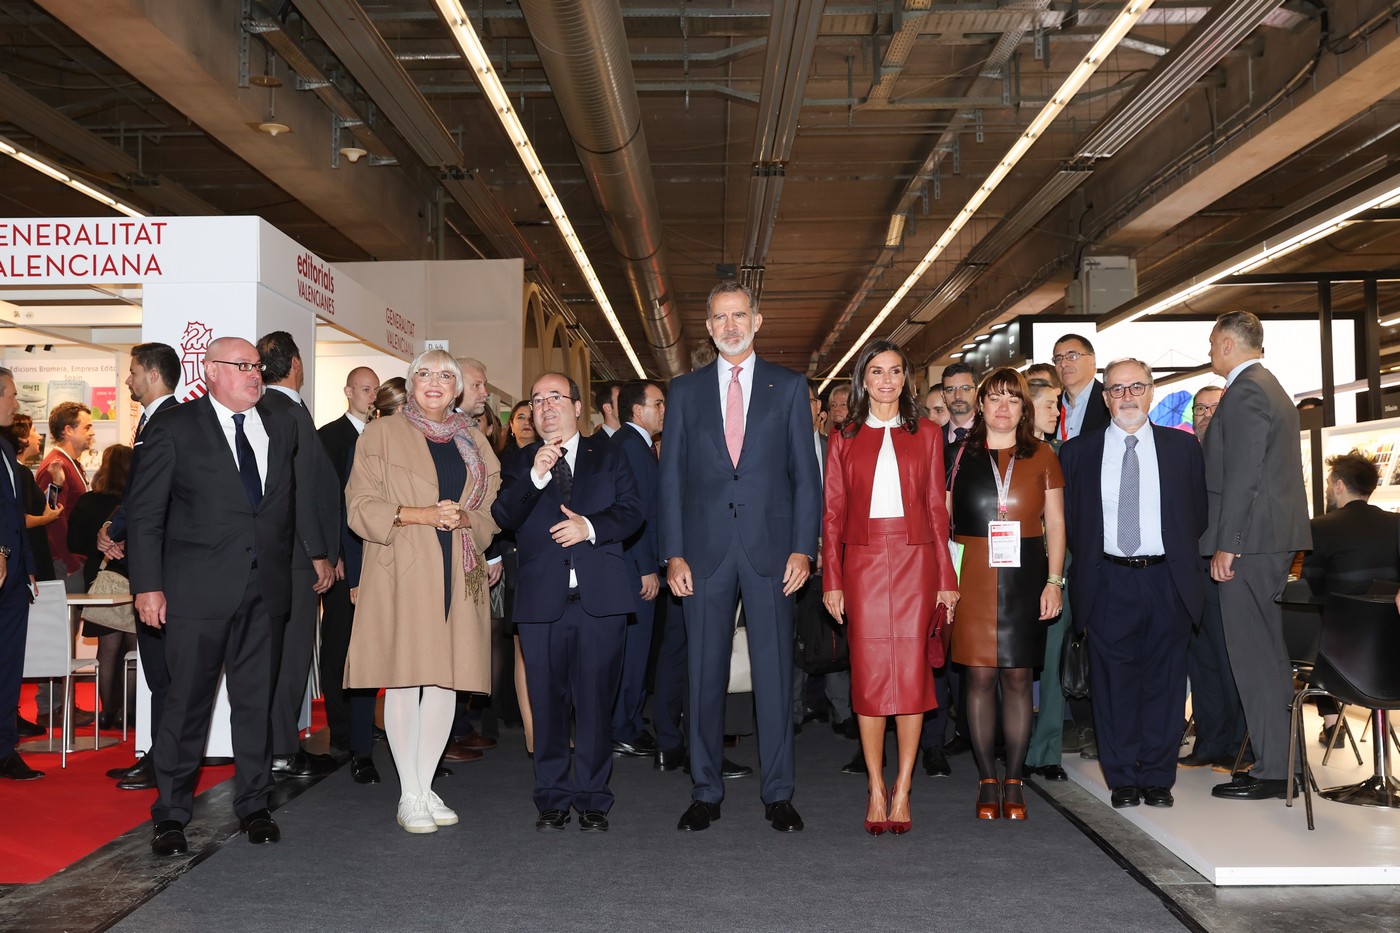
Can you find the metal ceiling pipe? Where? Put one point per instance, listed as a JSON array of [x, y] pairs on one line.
[[583, 48]]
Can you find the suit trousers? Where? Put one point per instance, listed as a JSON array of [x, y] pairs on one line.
[[246, 645], [1138, 632], [631, 691], [572, 668], [1258, 659], [709, 626], [947, 684], [670, 689], [1215, 703], [1048, 736], [349, 712], [14, 626], [298, 646]]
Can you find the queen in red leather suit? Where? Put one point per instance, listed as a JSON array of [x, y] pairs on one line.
[[886, 564]]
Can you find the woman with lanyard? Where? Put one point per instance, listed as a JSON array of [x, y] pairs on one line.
[[1006, 499]]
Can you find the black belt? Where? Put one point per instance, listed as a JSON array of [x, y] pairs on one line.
[[1135, 562]]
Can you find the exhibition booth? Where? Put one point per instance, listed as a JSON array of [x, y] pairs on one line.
[[77, 293]]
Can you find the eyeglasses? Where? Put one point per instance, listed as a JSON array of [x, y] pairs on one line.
[[1073, 356], [1117, 391], [242, 367], [958, 390], [430, 375], [553, 398], [1204, 409]]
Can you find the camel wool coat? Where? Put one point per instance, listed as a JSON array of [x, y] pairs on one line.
[[400, 638]]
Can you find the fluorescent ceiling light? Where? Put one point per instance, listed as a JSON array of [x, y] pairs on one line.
[[1380, 195], [969, 346], [955, 356], [997, 327], [1389, 380], [40, 164], [485, 74], [1117, 29]]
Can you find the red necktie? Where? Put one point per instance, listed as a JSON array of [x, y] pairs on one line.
[[734, 416]]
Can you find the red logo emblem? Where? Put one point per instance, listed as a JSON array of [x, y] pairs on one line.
[[193, 344]]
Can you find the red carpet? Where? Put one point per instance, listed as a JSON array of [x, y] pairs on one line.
[[54, 821]]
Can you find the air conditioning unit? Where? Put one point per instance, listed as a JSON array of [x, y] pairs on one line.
[[1106, 282]]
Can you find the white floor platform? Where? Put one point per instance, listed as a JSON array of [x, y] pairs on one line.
[[1265, 842]]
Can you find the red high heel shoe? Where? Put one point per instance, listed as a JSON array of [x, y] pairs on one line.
[[1013, 811], [897, 827], [989, 811], [877, 827]]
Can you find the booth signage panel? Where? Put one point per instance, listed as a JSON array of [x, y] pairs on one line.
[[105, 250]]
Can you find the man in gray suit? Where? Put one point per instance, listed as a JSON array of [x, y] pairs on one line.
[[1258, 519]]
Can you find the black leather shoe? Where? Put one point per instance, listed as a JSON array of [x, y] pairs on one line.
[[633, 749], [442, 771], [81, 717], [1128, 796], [846, 728], [142, 763], [363, 771], [699, 815], [1194, 760], [731, 769], [109, 722], [140, 778], [936, 763], [593, 821], [261, 828], [169, 838], [669, 760], [783, 817], [302, 765], [1049, 772], [27, 729], [15, 769], [1251, 788], [957, 745], [1157, 796], [551, 821], [856, 765]]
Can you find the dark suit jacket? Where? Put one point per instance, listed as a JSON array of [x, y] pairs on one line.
[[1352, 546], [338, 437], [117, 531], [192, 532], [326, 492], [1096, 418], [1255, 499], [1181, 476], [774, 494], [606, 494], [21, 565], [640, 545]]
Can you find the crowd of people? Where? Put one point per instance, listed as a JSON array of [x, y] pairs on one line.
[[480, 572]]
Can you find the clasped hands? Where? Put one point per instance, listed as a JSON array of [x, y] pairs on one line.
[[444, 516], [835, 603]]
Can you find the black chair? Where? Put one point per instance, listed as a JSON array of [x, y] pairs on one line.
[[1358, 662]]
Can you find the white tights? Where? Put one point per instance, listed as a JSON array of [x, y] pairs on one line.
[[418, 721]]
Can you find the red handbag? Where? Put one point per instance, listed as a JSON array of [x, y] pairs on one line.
[[936, 650]]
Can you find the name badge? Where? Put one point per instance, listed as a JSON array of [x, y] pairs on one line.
[[1003, 544]]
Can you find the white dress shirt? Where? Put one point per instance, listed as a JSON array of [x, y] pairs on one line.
[[291, 393], [1075, 409], [724, 369], [886, 495], [150, 408], [609, 431], [253, 428], [646, 435], [1230, 379], [571, 457], [821, 464], [1149, 491], [356, 423]]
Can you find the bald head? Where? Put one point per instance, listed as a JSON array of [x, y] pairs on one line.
[[230, 387], [360, 388], [474, 390]]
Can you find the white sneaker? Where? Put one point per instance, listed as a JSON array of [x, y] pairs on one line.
[[442, 814], [414, 816]]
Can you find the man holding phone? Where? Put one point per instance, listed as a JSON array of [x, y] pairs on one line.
[[70, 428]]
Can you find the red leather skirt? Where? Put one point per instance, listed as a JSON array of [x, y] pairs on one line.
[[890, 600]]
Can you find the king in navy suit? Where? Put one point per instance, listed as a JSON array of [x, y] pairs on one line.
[[1135, 506], [571, 501], [740, 508]]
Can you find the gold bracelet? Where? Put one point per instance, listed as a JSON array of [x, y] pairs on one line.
[[398, 517]]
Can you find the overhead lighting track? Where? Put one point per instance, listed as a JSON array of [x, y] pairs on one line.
[[58, 174], [475, 54], [1124, 21]]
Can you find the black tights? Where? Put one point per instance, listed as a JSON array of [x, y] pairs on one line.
[[111, 654], [1015, 717]]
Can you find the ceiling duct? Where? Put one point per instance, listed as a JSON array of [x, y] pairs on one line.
[[583, 49]]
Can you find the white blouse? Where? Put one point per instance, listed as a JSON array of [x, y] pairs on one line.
[[886, 496]]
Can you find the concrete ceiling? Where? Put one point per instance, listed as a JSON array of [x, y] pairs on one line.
[[906, 108]]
